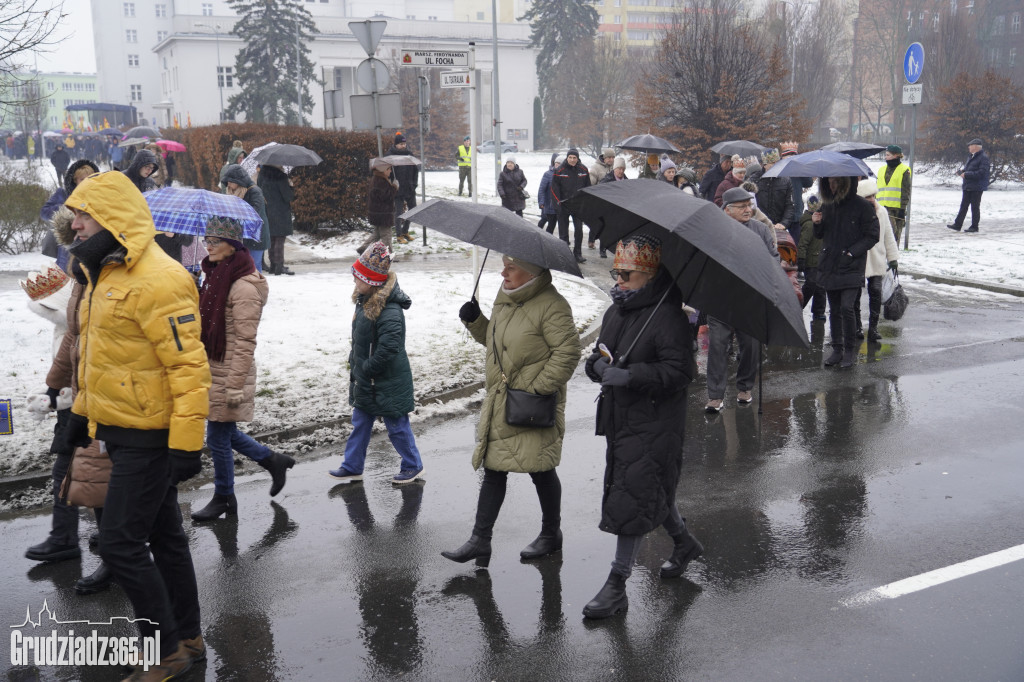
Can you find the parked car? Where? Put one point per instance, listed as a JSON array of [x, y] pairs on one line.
[[488, 147]]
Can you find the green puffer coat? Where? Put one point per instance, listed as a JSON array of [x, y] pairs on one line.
[[380, 382], [533, 329]]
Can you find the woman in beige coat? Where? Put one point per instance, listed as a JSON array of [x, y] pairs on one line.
[[231, 303]]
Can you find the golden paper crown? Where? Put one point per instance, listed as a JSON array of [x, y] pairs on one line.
[[789, 147], [42, 284]]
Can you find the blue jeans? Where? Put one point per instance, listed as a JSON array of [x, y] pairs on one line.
[[222, 438], [399, 432], [257, 258]]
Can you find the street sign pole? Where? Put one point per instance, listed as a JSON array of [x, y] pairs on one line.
[[369, 33], [913, 143], [913, 65], [474, 187], [424, 101]]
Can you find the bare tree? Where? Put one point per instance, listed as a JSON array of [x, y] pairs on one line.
[[26, 26]]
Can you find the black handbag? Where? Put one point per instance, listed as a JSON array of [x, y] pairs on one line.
[[894, 308], [523, 408]]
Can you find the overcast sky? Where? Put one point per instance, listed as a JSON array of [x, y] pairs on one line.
[[73, 49]]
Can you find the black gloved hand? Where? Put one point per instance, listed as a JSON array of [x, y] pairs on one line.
[[469, 310], [601, 366], [615, 376], [800, 264], [52, 393], [893, 266], [184, 464], [76, 432], [901, 214]]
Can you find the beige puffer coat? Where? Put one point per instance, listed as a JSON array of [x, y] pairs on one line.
[[242, 315]]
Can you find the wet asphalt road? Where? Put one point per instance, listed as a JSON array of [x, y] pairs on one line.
[[848, 481]]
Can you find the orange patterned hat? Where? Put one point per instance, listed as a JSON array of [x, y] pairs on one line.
[[639, 253]]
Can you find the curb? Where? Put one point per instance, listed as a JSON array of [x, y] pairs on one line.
[[972, 283]]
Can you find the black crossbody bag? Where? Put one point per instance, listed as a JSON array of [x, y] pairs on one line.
[[523, 408]]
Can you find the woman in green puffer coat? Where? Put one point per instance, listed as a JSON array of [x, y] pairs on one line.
[[532, 343]]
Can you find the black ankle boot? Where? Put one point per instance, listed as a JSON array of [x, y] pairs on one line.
[[477, 548], [610, 600], [220, 504], [278, 466], [686, 549], [97, 582], [873, 335], [849, 358], [546, 543], [832, 360]]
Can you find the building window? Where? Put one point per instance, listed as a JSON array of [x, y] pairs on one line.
[[337, 79], [479, 16], [129, 9], [1015, 23], [133, 60], [999, 25], [136, 93], [935, 23], [161, 11], [618, 3], [410, 16], [970, 6], [131, 35], [207, 9], [161, 36], [1013, 56], [225, 77], [618, 18]]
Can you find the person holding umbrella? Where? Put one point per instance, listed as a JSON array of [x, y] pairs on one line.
[[644, 364], [238, 183], [532, 346], [408, 178], [734, 178], [279, 193], [848, 229], [545, 200]]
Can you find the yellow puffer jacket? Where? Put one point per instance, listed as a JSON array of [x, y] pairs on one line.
[[142, 364]]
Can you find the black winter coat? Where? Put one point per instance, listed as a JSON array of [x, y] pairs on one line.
[[567, 180], [709, 183], [278, 195], [510, 186], [976, 172], [233, 172], [408, 176], [848, 224], [644, 422], [144, 157], [775, 198]]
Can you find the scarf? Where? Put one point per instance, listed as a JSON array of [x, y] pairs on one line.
[[213, 298], [94, 251], [620, 296]]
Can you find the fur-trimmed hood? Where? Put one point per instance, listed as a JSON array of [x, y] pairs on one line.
[[375, 302], [61, 222], [847, 189], [69, 176]]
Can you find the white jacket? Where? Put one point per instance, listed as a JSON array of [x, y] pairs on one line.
[[885, 249]]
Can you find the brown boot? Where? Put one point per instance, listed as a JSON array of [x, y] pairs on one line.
[[168, 668], [196, 648]]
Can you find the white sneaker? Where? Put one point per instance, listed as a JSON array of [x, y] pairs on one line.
[[713, 407], [744, 398]]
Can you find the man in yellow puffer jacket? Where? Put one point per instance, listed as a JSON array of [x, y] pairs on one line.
[[143, 384]]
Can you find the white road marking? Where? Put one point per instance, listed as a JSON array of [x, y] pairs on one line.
[[936, 577]]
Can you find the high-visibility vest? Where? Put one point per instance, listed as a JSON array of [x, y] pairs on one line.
[[465, 158], [889, 192]]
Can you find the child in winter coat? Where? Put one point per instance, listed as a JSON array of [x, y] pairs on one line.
[[807, 258]]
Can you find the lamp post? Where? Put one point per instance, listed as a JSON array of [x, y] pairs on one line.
[[220, 76]]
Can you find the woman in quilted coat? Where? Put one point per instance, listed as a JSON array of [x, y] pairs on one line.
[[642, 414], [532, 345], [511, 183], [231, 303]]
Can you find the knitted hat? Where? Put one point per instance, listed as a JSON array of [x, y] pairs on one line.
[[738, 163], [813, 203], [399, 138], [789, 148], [639, 253], [894, 149], [572, 152], [510, 159], [753, 168], [731, 196], [529, 267], [867, 188], [620, 162], [560, 160], [688, 173], [607, 153], [666, 163], [372, 267], [39, 285], [228, 229], [770, 156]]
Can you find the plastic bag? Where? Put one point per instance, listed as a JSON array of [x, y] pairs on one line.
[[888, 285], [894, 308]]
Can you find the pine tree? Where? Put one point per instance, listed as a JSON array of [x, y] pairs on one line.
[[265, 67], [558, 26]]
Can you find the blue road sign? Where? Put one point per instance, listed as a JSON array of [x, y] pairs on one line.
[[913, 62]]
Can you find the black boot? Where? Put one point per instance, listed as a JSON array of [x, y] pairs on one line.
[[97, 582], [52, 551], [610, 600], [220, 504], [686, 549], [278, 466], [873, 335], [837, 355], [849, 358], [547, 542], [477, 548]]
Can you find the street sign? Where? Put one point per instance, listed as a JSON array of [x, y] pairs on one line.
[[912, 93], [913, 63], [434, 58], [334, 103], [368, 33], [362, 111], [455, 79], [370, 69]]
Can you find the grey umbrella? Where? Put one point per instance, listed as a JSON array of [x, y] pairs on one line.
[[497, 228], [398, 160], [143, 131], [860, 150], [721, 267], [649, 144], [819, 164], [286, 155], [741, 147]]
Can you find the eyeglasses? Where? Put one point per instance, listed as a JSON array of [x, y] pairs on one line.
[[624, 274], [212, 241]]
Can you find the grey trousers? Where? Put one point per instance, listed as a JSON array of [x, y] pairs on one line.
[[718, 359], [627, 547]]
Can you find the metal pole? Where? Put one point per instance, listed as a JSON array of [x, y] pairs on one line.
[[495, 104], [220, 75], [376, 108], [423, 83], [298, 72], [913, 139], [474, 112]]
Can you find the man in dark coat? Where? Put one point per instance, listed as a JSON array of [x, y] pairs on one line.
[[848, 228], [408, 180], [642, 414], [60, 160], [975, 174], [715, 175], [569, 178], [278, 193], [775, 195]]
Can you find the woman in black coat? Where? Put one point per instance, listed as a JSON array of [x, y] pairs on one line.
[[278, 192], [511, 184], [642, 414], [848, 228]]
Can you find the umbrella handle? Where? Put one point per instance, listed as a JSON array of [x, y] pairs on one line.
[[477, 284]]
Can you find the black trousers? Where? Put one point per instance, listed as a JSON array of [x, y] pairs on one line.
[[276, 254], [64, 529], [874, 302], [970, 198], [402, 226], [813, 293], [548, 221], [142, 517], [563, 229], [492, 495], [842, 320]]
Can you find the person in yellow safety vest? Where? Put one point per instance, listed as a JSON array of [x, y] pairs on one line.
[[465, 165], [894, 188]]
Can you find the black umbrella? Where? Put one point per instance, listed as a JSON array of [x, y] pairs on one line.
[[143, 131], [497, 228], [721, 267], [819, 164], [286, 155], [649, 144], [741, 147], [859, 150]]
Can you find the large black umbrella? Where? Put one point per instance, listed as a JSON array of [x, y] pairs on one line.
[[721, 267], [649, 144], [497, 228], [819, 164], [860, 150], [143, 131], [286, 155], [741, 147]]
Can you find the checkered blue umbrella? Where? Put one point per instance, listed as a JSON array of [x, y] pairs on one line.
[[184, 210]]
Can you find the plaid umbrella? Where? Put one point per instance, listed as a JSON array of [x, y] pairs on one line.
[[185, 211]]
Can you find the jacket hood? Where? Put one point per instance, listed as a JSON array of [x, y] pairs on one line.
[[233, 154], [120, 208], [236, 174], [847, 188], [142, 158], [69, 176], [389, 292], [524, 293], [61, 222]]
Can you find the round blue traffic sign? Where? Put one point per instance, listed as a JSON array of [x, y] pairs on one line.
[[913, 62]]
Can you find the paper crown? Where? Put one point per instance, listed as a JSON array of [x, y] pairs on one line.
[[640, 253], [739, 163], [770, 156], [789, 147], [39, 285]]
